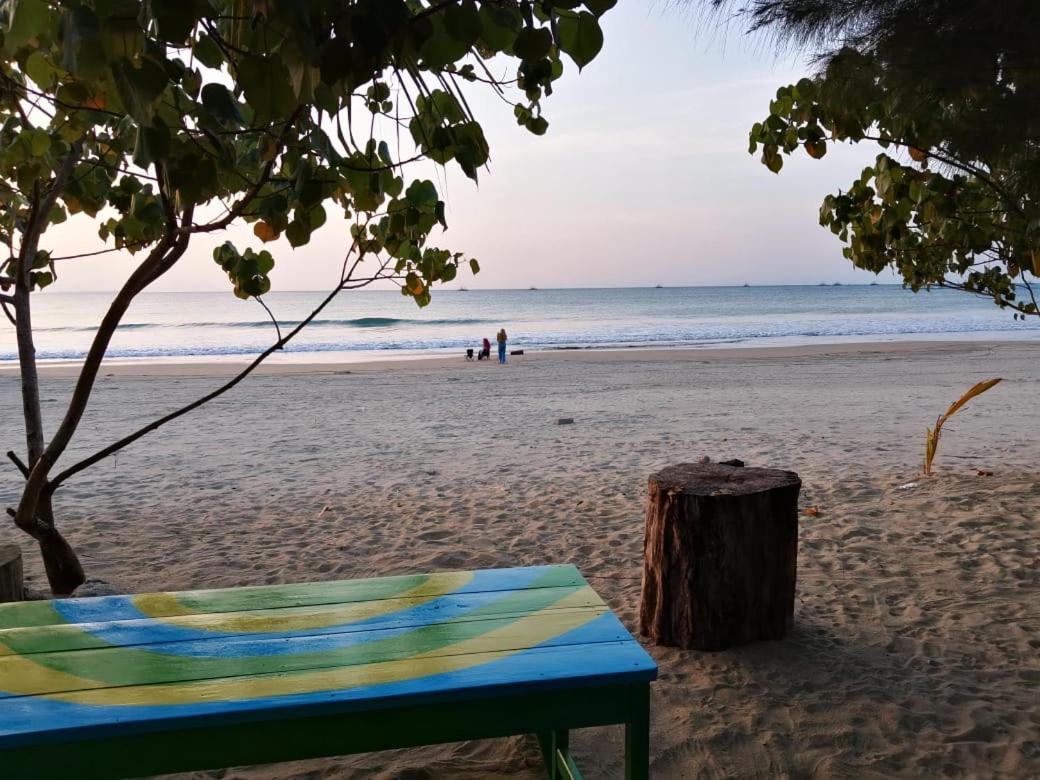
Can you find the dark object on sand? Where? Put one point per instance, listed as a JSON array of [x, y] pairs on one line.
[[732, 462], [516, 352], [12, 588], [469, 354], [565, 421], [719, 556]]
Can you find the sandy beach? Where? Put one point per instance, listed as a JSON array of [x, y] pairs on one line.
[[916, 646]]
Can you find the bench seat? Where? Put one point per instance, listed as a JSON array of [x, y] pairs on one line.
[[124, 686]]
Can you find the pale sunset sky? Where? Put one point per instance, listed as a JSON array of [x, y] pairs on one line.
[[644, 178]]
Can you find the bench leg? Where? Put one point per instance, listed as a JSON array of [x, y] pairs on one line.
[[637, 737], [557, 755]]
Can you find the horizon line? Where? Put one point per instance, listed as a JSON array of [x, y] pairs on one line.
[[514, 289]]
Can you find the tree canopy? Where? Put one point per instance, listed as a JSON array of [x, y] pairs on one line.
[[950, 91], [161, 120], [254, 105]]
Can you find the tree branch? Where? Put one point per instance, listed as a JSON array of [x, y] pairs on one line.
[[963, 167], [13, 457], [159, 260], [38, 212], [279, 344], [236, 210], [274, 320], [7, 312]]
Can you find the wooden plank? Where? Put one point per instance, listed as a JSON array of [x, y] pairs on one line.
[[275, 623], [158, 605], [50, 673], [29, 613], [36, 720], [200, 745]]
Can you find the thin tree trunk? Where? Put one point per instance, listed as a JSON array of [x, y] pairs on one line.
[[64, 571], [30, 376]]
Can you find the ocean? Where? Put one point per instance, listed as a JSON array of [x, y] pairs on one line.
[[369, 325]]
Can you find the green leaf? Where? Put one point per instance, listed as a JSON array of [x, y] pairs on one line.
[[41, 279], [462, 22], [265, 82], [600, 7], [153, 143], [28, 22], [173, 19], [316, 216], [500, 25], [298, 234], [139, 86], [208, 52], [533, 43], [39, 142], [580, 36], [41, 70], [222, 105], [474, 266], [422, 193], [384, 153], [82, 52], [441, 47], [772, 159], [537, 125]]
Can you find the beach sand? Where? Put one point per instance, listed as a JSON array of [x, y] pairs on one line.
[[916, 645]]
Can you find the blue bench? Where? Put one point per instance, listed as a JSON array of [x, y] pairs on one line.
[[124, 686]]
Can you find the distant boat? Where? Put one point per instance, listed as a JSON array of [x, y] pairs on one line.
[[658, 287], [746, 284], [463, 289], [873, 284], [822, 284], [532, 288], [836, 284]]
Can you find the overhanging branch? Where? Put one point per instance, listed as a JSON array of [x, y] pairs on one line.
[[7, 312], [276, 346]]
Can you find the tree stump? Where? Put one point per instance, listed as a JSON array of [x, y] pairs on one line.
[[12, 588], [719, 556]]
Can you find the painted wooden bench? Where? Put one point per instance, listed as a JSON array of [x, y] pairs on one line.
[[124, 686]]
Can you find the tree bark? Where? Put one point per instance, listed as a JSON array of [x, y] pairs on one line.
[[720, 555], [64, 572], [12, 588]]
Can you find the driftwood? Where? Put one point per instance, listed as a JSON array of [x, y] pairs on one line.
[[719, 555], [12, 587]]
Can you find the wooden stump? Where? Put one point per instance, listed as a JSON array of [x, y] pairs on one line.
[[12, 587], [719, 555]]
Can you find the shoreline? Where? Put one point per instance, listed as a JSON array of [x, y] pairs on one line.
[[651, 354]]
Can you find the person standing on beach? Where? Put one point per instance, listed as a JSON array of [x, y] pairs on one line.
[[502, 345]]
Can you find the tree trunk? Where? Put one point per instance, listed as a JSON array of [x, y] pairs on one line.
[[720, 554], [11, 586], [64, 571]]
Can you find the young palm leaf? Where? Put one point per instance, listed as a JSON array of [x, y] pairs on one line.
[[932, 437]]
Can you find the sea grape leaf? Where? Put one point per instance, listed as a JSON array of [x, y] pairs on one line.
[[580, 36]]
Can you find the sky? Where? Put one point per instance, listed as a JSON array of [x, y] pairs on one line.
[[643, 178]]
